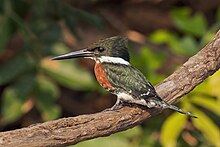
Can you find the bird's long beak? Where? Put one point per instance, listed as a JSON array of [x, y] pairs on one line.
[[76, 54]]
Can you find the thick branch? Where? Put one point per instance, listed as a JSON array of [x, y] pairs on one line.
[[72, 130]]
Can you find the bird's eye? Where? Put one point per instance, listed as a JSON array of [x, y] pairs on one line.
[[100, 49]]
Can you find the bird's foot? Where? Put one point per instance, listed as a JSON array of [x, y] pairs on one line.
[[111, 109], [115, 107]]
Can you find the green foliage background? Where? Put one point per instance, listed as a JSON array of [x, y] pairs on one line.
[[28, 78]]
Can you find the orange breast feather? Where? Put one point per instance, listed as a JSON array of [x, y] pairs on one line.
[[101, 77]]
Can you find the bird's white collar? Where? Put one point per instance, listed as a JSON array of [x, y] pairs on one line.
[[116, 60]]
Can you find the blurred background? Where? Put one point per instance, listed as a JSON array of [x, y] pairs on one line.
[[162, 36]]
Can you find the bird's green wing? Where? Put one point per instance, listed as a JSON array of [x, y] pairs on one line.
[[128, 79]]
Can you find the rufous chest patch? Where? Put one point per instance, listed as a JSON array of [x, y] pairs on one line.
[[101, 77]]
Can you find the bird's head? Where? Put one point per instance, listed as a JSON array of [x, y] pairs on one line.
[[112, 48]]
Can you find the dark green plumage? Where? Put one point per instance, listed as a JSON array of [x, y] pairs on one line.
[[128, 79]]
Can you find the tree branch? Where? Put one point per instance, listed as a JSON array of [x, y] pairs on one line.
[[72, 130]]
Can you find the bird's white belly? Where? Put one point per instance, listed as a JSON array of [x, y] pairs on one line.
[[128, 98]]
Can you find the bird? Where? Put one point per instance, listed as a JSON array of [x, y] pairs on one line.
[[115, 73]]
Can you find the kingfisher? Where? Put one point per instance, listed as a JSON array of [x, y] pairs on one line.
[[114, 72]]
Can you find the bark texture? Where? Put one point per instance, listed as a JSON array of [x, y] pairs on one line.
[[67, 131]]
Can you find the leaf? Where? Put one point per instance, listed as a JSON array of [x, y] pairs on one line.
[[14, 98], [181, 46], [162, 36], [83, 15], [154, 61], [195, 25], [218, 15], [46, 94], [68, 74], [71, 23], [209, 35], [122, 139], [104, 142], [207, 127], [149, 58], [130, 133], [188, 45], [5, 32], [15, 67], [207, 102], [213, 84], [211, 88], [171, 129], [201, 88], [166, 37], [49, 31]]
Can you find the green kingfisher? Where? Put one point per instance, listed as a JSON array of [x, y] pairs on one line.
[[114, 73]]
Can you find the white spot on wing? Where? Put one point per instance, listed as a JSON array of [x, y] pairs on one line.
[[145, 94]]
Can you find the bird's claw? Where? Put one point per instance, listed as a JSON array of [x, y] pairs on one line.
[[115, 107], [110, 109]]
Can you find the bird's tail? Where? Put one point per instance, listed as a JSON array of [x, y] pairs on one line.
[[165, 105], [179, 110]]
